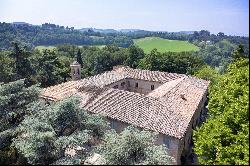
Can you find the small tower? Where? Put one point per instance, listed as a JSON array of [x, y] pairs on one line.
[[75, 70]]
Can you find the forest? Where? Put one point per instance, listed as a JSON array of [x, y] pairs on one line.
[[36, 132]]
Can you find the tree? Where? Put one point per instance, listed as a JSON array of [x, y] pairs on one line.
[[207, 73], [223, 139], [132, 147], [7, 71], [79, 57], [102, 61], [50, 70], [239, 53], [135, 54], [58, 133], [150, 61], [221, 34], [22, 63], [14, 100]]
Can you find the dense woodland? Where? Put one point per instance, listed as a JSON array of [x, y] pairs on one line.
[[51, 34], [62, 127]]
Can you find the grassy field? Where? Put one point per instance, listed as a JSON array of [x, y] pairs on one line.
[[98, 46], [164, 45], [40, 48]]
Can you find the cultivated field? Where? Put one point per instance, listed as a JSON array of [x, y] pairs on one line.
[[40, 48], [164, 45]]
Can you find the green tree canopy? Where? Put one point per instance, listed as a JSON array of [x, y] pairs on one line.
[[224, 138], [151, 61], [50, 69], [14, 98], [135, 54], [132, 147], [207, 73], [239, 53], [57, 132]]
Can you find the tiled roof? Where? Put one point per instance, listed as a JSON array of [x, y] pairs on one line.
[[69, 88], [60, 91], [163, 89], [163, 110], [148, 75], [102, 80], [133, 108], [192, 89]]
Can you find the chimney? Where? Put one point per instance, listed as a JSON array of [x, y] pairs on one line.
[[183, 96]]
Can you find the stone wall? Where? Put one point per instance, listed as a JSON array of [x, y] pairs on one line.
[[144, 87], [122, 85], [118, 125], [172, 146], [176, 147], [185, 147]]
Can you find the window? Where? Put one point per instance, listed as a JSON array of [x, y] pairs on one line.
[[113, 124], [115, 87], [128, 84], [78, 71], [122, 84], [166, 141], [152, 87], [136, 84]]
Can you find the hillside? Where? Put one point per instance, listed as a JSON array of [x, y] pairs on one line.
[[164, 45], [51, 34]]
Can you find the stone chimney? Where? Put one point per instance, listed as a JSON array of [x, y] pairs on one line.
[[75, 70]]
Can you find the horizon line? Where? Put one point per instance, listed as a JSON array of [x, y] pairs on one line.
[[117, 29]]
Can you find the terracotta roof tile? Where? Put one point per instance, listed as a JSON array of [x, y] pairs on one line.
[[163, 110]]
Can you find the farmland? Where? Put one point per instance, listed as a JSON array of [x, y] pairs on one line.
[[40, 48], [164, 45]]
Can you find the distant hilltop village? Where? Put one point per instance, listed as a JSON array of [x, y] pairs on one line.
[[168, 103]]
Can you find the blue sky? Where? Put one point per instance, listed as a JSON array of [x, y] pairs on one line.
[[228, 16]]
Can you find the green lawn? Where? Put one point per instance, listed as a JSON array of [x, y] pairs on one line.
[[164, 45], [40, 48]]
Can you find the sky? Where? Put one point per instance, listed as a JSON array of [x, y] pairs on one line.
[[228, 16]]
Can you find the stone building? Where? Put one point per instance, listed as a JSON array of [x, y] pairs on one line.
[[167, 103]]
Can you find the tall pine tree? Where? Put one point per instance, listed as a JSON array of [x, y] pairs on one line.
[[79, 57]]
